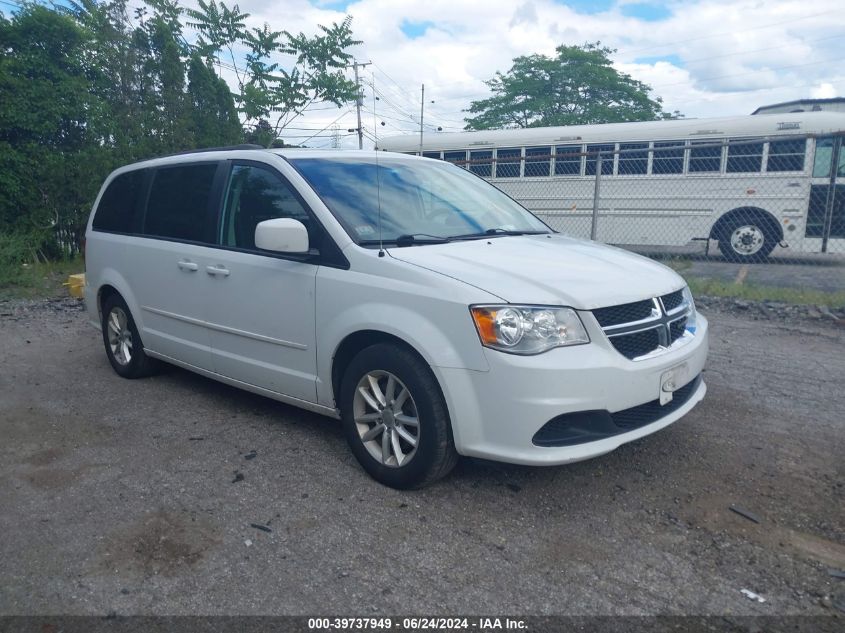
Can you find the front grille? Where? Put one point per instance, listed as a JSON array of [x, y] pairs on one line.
[[637, 344], [624, 313], [672, 300], [641, 328], [676, 329], [588, 426]]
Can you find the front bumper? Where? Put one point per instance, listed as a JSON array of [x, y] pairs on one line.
[[496, 414]]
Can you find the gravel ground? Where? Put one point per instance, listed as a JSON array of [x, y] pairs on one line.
[[137, 497]]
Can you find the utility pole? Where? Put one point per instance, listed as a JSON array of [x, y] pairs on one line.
[[359, 101], [422, 113]]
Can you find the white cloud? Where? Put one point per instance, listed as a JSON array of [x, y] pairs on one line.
[[823, 91], [708, 58]]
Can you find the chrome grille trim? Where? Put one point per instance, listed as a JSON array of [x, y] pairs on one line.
[[662, 321]]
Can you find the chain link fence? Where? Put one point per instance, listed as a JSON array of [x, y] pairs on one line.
[[775, 202]]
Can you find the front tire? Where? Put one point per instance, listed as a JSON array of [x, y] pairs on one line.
[[395, 418], [123, 344]]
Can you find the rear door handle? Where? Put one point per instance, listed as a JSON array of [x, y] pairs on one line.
[[217, 270], [186, 265]]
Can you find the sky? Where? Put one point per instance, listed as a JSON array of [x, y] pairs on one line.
[[704, 58]]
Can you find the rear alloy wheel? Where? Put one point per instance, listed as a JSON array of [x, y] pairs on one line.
[[123, 344], [395, 418]]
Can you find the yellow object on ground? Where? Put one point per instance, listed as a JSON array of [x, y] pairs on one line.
[[75, 284]]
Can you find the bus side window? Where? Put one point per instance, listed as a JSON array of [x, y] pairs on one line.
[[431, 155], [483, 168], [568, 160], [540, 163], [632, 163], [787, 155], [508, 162], [744, 157], [668, 157], [705, 159], [456, 157], [606, 150]]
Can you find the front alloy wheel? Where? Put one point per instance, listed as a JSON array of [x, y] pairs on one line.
[[386, 418], [395, 418]]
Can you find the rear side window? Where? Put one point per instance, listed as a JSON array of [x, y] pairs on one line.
[[119, 203], [178, 204]]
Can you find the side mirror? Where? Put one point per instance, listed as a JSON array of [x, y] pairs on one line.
[[282, 235]]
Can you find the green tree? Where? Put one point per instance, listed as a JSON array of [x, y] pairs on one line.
[[577, 86], [47, 123], [96, 84], [214, 120], [266, 90]]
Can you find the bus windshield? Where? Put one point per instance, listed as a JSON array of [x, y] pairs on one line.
[[413, 201]]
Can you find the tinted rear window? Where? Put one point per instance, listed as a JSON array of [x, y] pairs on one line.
[[118, 206], [178, 206]]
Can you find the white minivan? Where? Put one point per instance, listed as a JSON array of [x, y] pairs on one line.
[[431, 313]]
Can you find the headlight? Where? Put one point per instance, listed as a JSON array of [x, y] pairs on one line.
[[688, 297], [692, 319], [528, 329]]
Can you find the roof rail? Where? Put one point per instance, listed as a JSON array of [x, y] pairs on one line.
[[215, 149]]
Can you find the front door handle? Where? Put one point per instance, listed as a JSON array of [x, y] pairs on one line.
[[186, 265], [217, 270]]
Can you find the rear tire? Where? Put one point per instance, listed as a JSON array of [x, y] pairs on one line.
[[747, 239], [124, 347], [395, 418]]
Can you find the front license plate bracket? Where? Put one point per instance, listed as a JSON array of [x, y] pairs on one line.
[[671, 380]]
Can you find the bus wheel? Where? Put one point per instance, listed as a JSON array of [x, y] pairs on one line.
[[746, 239]]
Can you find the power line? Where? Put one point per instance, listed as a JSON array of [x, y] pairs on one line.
[[328, 126], [756, 50], [403, 93]]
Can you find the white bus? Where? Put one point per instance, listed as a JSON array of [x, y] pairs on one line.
[[749, 182]]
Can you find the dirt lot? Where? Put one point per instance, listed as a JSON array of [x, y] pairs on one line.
[[136, 497]]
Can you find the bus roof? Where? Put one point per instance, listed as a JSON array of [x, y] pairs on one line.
[[800, 123]]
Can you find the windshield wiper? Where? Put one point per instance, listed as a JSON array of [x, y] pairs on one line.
[[409, 239], [494, 232], [420, 238]]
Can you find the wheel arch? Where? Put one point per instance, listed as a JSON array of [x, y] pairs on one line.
[[103, 293], [353, 343], [740, 214], [109, 283]]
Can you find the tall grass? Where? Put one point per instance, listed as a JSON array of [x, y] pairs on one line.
[[25, 272], [756, 292]]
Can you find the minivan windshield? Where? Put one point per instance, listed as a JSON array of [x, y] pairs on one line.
[[422, 201]]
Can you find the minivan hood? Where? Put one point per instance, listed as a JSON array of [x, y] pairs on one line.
[[546, 269]]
